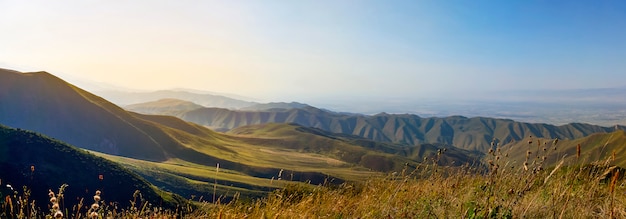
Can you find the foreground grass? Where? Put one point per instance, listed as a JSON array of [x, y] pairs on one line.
[[502, 190], [591, 191]]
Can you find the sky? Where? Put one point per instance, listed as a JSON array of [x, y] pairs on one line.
[[316, 50]]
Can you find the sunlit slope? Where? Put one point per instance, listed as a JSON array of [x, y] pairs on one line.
[[46, 104], [40, 163], [189, 179], [468, 133], [598, 147]]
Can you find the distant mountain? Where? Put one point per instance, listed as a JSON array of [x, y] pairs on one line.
[[467, 133], [164, 106], [207, 100], [40, 163], [275, 106]]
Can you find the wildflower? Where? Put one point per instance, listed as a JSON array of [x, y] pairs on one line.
[[96, 198], [58, 214], [95, 206], [53, 200]]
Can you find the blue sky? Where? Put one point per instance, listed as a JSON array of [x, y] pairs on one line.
[[317, 50]]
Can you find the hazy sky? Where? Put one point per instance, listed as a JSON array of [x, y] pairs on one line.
[[300, 50]]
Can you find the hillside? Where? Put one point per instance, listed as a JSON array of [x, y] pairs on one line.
[[46, 104], [595, 147], [40, 163], [467, 133]]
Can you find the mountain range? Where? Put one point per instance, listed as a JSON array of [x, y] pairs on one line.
[[475, 133]]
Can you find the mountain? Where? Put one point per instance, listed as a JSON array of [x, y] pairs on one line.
[[275, 106], [164, 106], [46, 104], [467, 133], [40, 163], [207, 100]]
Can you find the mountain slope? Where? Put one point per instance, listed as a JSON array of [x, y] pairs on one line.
[[597, 147], [41, 163], [46, 104], [467, 133]]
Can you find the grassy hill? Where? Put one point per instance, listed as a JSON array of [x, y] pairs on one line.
[[41, 163], [596, 147], [467, 133]]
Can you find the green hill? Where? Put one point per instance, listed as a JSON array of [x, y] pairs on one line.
[[40, 163]]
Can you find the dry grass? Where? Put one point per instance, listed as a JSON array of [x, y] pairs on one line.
[[504, 189]]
